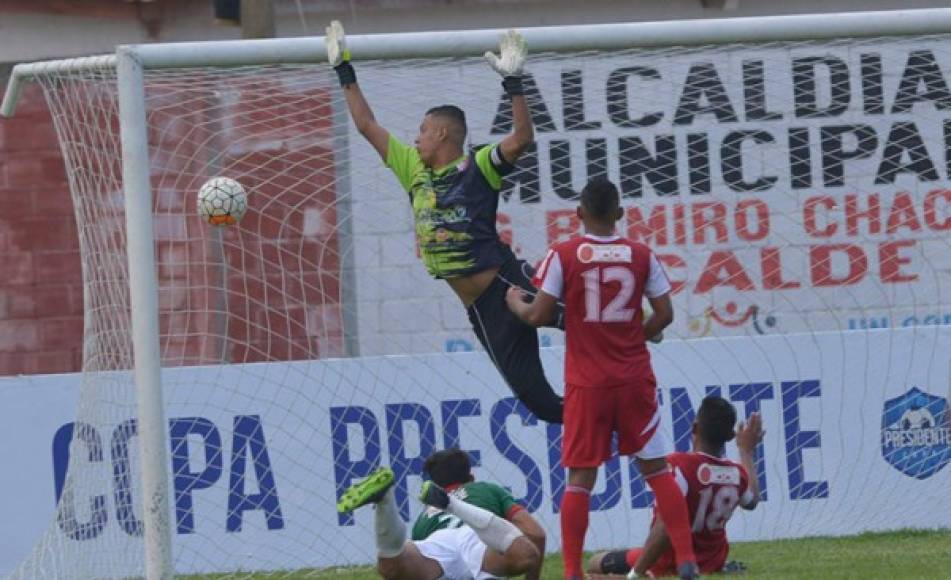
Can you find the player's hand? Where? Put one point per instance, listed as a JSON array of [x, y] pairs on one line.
[[513, 50], [336, 42], [647, 312], [515, 295], [750, 433]]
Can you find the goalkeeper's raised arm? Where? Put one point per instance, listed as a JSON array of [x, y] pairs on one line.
[[339, 58], [509, 65]]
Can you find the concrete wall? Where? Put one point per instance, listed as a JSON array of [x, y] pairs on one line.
[[403, 15], [41, 301], [41, 29]]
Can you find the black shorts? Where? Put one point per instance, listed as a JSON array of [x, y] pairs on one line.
[[513, 345]]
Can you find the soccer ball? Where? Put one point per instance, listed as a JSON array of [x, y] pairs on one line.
[[222, 201]]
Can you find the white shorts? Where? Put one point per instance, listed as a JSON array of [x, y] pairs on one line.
[[459, 552], [659, 444]]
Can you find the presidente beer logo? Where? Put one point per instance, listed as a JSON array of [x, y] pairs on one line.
[[916, 433]]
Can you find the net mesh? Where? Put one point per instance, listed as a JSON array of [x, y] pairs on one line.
[[796, 192]]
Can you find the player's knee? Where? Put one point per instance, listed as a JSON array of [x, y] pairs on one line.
[[613, 562]]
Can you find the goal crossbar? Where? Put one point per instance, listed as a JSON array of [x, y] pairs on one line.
[[541, 39]]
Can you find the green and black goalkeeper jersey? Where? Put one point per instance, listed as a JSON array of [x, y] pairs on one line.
[[485, 495], [454, 208]]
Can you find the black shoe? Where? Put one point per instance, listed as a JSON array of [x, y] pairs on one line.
[[433, 495]]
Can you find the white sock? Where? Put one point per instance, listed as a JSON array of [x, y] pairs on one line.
[[495, 532], [389, 526]]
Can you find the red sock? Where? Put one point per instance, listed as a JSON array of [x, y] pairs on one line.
[[672, 509], [574, 525]]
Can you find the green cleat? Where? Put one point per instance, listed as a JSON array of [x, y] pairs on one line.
[[370, 490], [433, 495]]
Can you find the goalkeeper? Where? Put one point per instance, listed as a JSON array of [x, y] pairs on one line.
[[471, 530], [455, 197]]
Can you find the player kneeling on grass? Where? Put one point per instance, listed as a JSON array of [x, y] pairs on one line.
[[471, 530], [713, 486]]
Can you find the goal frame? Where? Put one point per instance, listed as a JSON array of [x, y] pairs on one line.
[[131, 61]]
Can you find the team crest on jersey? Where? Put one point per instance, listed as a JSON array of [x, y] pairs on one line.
[[708, 474], [916, 433], [617, 253]]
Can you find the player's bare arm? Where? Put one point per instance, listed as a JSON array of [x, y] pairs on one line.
[[535, 312], [661, 318], [523, 132], [529, 526], [512, 51], [748, 436], [339, 57]]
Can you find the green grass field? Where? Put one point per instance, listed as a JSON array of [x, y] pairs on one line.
[[904, 554]]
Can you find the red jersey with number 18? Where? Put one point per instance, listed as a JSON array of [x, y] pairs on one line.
[[602, 281], [713, 487]]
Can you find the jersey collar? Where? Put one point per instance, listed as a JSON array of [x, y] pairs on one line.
[[447, 167], [613, 238], [708, 455]]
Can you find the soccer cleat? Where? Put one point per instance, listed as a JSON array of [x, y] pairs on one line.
[[433, 495], [370, 490], [688, 571]]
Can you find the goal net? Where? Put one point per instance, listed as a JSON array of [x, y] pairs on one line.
[[798, 194]]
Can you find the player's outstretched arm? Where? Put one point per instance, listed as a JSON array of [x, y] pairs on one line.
[[538, 312], [509, 63], [748, 436], [536, 534], [339, 57]]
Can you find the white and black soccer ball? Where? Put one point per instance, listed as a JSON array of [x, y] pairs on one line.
[[222, 201], [917, 419]]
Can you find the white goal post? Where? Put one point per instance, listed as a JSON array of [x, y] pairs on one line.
[[131, 63]]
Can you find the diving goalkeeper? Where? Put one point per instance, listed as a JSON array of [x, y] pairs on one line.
[[454, 197]]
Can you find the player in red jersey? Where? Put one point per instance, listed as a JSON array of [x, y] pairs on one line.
[[714, 486], [610, 387]]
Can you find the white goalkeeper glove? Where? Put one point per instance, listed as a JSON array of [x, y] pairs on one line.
[[512, 51], [337, 54], [336, 43]]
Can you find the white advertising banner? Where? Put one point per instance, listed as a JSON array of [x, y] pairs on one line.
[[858, 438], [788, 187]]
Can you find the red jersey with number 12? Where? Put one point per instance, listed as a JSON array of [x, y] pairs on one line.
[[602, 281]]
